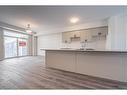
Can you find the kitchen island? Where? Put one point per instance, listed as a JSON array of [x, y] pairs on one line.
[[100, 63]]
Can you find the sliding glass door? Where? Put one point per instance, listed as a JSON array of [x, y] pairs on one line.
[[10, 45], [15, 44], [22, 47]]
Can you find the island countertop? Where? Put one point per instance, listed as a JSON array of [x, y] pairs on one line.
[[94, 50]]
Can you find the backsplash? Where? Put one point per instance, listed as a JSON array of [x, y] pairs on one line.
[[100, 44], [54, 41]]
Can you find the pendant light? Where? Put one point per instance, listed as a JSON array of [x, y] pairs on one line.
[[28, 29]]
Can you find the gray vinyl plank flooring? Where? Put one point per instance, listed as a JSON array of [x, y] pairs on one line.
[[31, 73]]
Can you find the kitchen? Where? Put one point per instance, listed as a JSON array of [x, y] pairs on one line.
[[90, 50], [64, 47]]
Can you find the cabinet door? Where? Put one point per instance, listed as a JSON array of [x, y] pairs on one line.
[[111, 66], [83, 36], [97, 31], [66, 37], [75, 34], [103, 31], [86, 35], [61, 60]]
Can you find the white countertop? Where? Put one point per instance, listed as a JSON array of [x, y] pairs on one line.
[[80, 50]]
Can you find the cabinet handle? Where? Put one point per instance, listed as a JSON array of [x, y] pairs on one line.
[[74, 35], [99, 33], [66, 41], [86, 40]]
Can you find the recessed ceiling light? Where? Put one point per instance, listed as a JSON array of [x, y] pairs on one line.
[[74, 20]]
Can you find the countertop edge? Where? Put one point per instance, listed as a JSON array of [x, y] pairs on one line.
[[74, 50]]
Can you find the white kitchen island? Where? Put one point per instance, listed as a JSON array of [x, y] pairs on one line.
[[105, 63]]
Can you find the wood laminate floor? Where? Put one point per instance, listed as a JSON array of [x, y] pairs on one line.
[[31, 73]]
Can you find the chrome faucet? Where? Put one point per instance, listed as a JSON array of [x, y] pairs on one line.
[[83, 44]]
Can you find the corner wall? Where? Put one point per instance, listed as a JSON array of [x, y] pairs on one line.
[[117, 32]]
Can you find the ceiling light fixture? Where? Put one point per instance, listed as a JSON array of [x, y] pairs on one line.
[[74, 20], [28, 29]]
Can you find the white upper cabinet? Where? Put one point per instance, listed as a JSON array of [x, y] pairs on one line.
[[66, 37], [100, 31], [75, 34], [86, 35]]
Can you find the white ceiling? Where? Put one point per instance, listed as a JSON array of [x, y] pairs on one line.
[[46, 18]]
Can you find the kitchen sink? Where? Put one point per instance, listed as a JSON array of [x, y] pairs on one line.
[[85, 49]]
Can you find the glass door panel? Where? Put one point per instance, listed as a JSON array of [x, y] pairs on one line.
[[10, 44], [22, 47]]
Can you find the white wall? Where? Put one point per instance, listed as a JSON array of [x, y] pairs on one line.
[[34, 45], [117, 32], [52, 41]]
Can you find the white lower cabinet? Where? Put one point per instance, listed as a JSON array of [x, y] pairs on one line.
[[61, 60], [104, 65], [110, 66]]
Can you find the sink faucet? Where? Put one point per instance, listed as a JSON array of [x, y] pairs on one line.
[[67, 43], [83, 44]]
